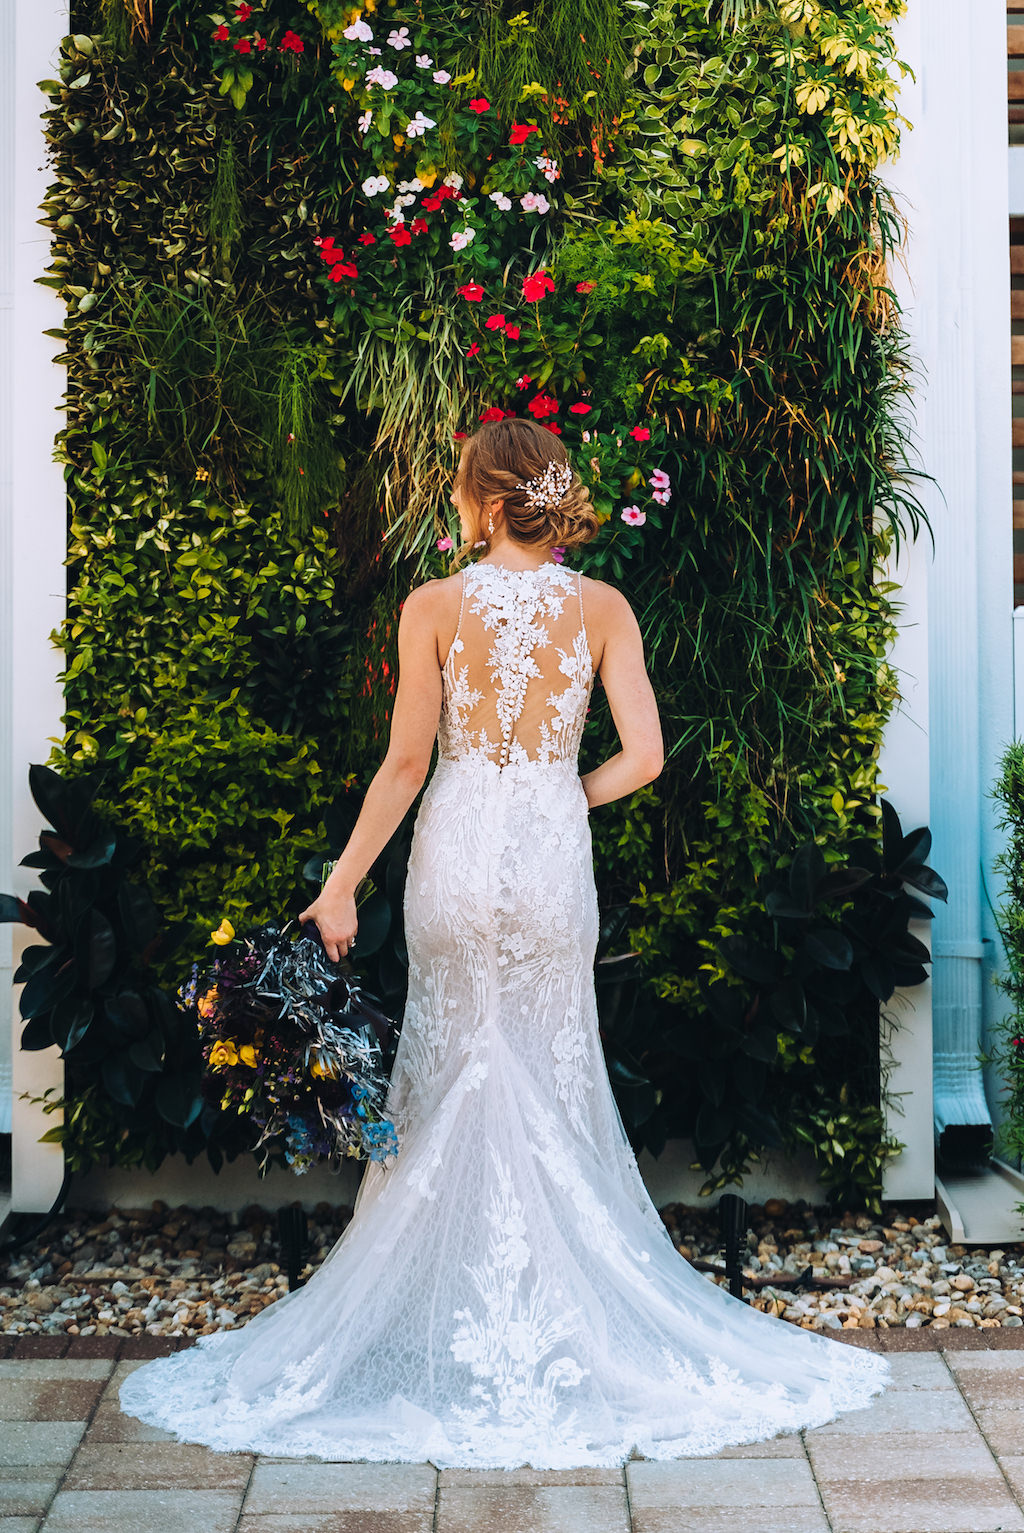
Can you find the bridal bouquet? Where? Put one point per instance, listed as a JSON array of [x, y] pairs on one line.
[[292, 1045]]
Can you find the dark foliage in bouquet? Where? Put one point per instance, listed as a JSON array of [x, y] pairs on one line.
[[291, 1042]]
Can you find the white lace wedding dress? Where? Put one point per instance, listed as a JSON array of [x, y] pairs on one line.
[[506, 1293]]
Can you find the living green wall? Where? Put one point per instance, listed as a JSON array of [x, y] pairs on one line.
[[267, 381]]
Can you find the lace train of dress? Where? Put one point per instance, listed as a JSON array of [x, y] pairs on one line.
[[506, 1293]]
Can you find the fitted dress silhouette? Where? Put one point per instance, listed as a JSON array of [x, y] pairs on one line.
[[506, 1293]]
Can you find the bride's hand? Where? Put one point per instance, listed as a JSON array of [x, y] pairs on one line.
[[336, 921]]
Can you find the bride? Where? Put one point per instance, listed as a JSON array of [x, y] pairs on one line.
[[506, 1293]]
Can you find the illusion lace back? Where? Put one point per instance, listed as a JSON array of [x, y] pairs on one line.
[[506, 1293]]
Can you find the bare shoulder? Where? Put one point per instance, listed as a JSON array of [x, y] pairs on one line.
[[609, 618], [606, 605], [434, 606], [434, 597]]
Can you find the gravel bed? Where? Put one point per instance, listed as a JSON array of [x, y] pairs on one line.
[[184, 1271]]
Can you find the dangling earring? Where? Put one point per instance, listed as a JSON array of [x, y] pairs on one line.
[[490, 524]]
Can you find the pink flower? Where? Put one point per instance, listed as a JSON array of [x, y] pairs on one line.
[[641, 434], [585, 287], [513, 332], [444, 544], [579, 409], [558, 554], [634, 516], [479, 104], [496, 322]]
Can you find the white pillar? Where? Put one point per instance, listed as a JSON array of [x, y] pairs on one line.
[[33, 538], [953, 187]]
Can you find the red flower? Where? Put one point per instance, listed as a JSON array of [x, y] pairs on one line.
[[366, 238], [331, 255], [496, 322], [473, 349], [431, 204], [399, 235], [222, 34], [342, 269], [443, 192], [243, 45], [641, 434], [479, 104], [291, 40], [495, 413], [536, 285], [261, 42], [579, 409], [524, 382], [471, 291], [521, 132], [541, 405], [244, 12], [585, 287], [419, 226], [459, 436], [513, 332], [550, 426]]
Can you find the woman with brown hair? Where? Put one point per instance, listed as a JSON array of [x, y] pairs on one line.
[[506, 1292]]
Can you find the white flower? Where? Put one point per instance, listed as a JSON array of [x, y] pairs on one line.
[[374, 52], [358, 32], [549, 166], [453, 179], [398, 37], [441, 77], [461, 238], [534, 202], [415, 185], [395, 214], [406, 200], [382, 77], [374, 184], [418, 125], [423, 61], [365, 121], [500, 200]]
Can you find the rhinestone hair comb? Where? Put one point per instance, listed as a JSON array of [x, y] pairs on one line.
[[548, 488]]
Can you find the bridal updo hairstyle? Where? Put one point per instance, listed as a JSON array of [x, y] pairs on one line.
[[501, 456]]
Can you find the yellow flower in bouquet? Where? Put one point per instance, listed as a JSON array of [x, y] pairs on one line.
[[224, 934], [222, 1054]]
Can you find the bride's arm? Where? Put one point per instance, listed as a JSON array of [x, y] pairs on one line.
[[398, 779], [633, 705]]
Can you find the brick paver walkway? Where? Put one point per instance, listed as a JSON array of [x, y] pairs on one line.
[[940, 1452]]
